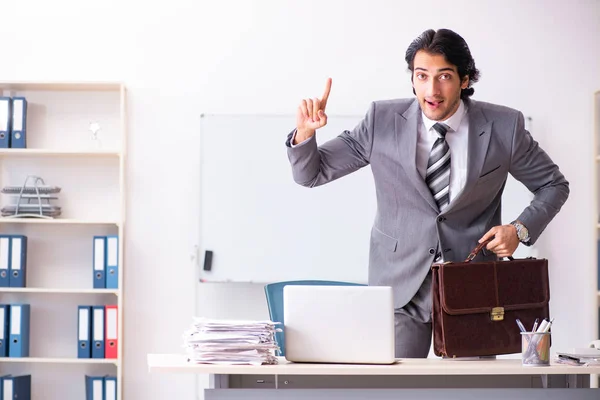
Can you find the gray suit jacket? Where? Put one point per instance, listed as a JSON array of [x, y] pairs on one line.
[[408, 227]]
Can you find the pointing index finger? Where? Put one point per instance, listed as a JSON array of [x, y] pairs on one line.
[[326, 94]]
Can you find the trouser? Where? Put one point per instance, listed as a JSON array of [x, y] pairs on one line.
[[413, 324]]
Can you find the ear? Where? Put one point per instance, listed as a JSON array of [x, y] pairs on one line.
[[465, 82]]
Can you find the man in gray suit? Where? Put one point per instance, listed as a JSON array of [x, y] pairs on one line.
[[440, 163]]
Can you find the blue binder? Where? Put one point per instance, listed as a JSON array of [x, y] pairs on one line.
[[84, 332], [18, 261], [110, 387], [19, 123], [19, 330], [4, 332], [2, 385], [20, 386], [97, 331], [99, 262], [94, 387], [5, 121], [4, 261], [112, 262]]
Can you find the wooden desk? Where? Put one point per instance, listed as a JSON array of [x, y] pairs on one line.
[[425, 379]]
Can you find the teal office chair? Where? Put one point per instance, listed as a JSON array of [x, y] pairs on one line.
[[274, 293]]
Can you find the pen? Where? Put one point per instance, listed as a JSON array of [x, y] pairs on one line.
[[521, 326], [535, 324], [542, 326], [547, 328]]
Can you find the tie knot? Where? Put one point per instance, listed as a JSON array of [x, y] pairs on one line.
[[441, 128]]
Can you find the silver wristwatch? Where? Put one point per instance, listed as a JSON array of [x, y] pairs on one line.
[[522, 232]]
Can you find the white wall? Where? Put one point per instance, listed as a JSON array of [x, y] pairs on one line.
[[183, 57]]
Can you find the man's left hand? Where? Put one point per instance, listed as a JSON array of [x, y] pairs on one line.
[[505, 240]]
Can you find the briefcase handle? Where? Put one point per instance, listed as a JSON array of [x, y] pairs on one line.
[[479, 247]]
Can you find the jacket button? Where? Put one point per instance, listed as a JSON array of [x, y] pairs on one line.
[[441, 219], [432, 251]]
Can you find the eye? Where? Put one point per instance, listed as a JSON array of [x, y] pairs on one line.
[[421, 76], [445, 77]]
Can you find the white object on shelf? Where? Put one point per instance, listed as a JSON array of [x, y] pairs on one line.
[[56, 360], [58, 291]]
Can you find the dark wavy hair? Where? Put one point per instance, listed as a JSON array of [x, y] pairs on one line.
[[453, 47]]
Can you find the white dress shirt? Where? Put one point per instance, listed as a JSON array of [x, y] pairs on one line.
[[457, 139]]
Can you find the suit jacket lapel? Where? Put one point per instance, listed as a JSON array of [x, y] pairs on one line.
[[480, 132], [406, 136]]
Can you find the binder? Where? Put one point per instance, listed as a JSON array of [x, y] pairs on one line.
[[99, 262], [4, 261], [84, 332], [110, 387], [111, 332], [98, 332], [4, 332], [112, 262], [2, 385], [19, 123], [19, 330], [5, 121], [94, 388], [18, 261], [16, 387]]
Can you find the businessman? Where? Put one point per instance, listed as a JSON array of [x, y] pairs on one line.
[[440, 163]]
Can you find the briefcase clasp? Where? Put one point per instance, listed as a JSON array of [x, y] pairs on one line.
[[497, 314]]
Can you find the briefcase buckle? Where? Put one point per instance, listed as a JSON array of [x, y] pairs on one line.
[[497, 314]]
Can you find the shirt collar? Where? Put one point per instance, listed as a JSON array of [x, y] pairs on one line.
[[453, 122]]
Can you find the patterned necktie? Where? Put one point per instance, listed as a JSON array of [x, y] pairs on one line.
[[437, 176]]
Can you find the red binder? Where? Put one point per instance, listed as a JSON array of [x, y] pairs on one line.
[[111, 334]]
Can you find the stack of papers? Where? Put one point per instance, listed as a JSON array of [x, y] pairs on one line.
[[231, 342]]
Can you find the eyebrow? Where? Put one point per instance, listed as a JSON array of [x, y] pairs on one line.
[[439, 70]]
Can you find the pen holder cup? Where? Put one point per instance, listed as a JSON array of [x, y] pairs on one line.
[[535, 349]]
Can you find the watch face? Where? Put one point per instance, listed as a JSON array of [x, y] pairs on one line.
[[523, 233]]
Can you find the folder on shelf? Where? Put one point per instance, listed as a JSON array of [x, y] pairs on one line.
[[19, 330], [94, 387], [19, 123], [112, 262], [18, 261], [5, 121], [2, 385], [99, 262], [4, 333], [111, 333], [98, 332], [84, 332], [4, 261], [16, 387], [110, 387]]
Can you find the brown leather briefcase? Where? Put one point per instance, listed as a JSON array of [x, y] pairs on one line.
[[476, 304]]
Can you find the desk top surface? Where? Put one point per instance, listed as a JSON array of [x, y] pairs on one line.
[[178, 363]]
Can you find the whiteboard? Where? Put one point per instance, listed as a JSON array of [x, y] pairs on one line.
[[263, 227]]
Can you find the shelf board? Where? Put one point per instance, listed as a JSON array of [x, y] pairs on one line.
[[59, 291], [61, 86], [65, 360], [67, 221], [57, 153]]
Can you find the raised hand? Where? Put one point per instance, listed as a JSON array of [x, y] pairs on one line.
[[311, 115]]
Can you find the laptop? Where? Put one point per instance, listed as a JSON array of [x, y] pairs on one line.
[[339, 324]]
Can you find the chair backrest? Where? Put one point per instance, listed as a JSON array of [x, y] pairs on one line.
[[274, 293]]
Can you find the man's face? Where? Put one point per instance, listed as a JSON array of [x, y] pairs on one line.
[[437, 85]]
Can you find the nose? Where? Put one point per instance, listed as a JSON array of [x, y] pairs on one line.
[[433, 88]]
